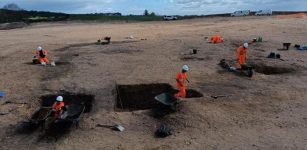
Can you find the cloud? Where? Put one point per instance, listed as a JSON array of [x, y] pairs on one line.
[[68, 6], [222, 6]]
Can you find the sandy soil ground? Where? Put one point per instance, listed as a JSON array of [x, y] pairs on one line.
[[262, 112]]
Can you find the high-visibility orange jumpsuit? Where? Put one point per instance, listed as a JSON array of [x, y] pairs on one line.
[[216, 39], [57, 106], [42, 56], [242, 55], [181, 78]]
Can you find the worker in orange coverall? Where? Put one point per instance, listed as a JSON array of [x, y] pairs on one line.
[[242, 54], [181, 78]]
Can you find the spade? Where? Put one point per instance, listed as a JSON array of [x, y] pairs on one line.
[[116, 127]]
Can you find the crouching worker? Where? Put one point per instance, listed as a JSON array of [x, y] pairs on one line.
[[57, 111], [216, 39], [41, 56], [181, 78], [58, 107]]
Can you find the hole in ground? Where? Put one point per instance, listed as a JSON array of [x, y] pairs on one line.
[[75, 104], [142, 96], [271, 70], [193, 93], [70, 99]]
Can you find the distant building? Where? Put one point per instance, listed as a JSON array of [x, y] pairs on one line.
[[12, 6]]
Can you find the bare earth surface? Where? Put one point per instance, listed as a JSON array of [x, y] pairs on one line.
[[262, 112]]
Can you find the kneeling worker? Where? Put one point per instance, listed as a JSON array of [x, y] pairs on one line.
[[41, 56], [216, 39], [181, 78]]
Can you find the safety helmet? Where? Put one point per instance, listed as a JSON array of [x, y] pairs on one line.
[[245, 45], [59, 99], [39, 48], [185, 67]]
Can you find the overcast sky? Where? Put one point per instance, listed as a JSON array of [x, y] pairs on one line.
[[162, 7]]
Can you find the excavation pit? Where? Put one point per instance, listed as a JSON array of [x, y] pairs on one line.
[[75, 105], [272, 70], [70, 99], [193, 94], [142, 96]]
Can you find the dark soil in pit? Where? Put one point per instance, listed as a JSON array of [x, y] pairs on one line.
[[193, 93], [69, 99], [142, 96], [76, 104], [272, 70]]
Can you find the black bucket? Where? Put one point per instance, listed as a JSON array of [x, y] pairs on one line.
[[194, 51], [286, 45]]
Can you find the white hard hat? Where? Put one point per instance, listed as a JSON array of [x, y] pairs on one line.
[[185, 67], [39, 48], [245, 45], [59, 99]]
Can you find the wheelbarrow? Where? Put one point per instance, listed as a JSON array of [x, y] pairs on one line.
[[168, 100], [73, 114], [245, 69], [55, 127]]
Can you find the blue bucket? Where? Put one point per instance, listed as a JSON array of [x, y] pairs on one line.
[[2, 94]]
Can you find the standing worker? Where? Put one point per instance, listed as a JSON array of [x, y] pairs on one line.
[[242, 55], [41, 55], [57, 107], [181, 78]]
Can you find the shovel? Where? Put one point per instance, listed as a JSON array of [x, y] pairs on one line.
[[218, 96], [116, 127]]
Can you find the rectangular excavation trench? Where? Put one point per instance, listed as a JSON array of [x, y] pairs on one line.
[[142, 96]]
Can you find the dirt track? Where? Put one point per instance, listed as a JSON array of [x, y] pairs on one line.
[[264, 112]]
